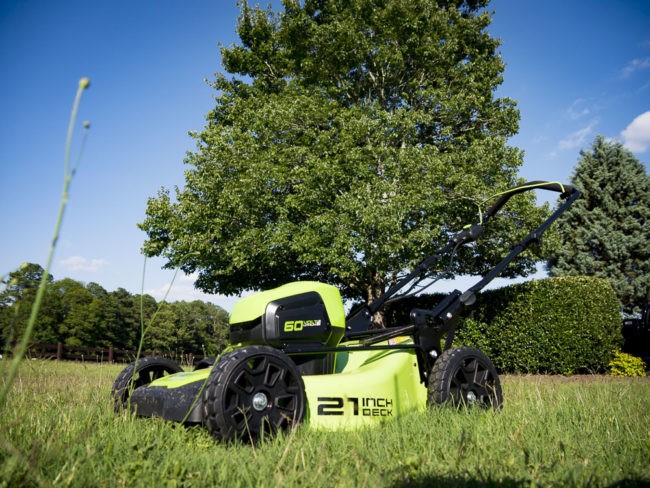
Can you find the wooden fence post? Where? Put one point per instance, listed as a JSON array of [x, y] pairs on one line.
[[59, 351], [110, 354]]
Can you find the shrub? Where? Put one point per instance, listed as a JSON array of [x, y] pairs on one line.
[[624, 364], [559, 325]]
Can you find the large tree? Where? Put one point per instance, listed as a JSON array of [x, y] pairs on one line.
[[605, 233], [348, 139]]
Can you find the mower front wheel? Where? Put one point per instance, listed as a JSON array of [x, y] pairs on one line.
[[464, 376], [253, 392], [140, 373]]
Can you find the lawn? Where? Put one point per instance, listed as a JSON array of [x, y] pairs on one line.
[[58, 429]]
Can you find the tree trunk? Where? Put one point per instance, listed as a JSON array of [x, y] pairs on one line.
[[373, 291]]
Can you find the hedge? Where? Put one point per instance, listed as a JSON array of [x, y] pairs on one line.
[[561, 325]]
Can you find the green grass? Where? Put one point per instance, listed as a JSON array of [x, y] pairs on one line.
[[58, 428]]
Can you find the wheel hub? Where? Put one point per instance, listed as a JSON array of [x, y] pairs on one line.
[[471, 397], [260, 401]]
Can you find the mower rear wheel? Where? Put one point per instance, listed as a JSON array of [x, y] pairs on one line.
[[253, 392], [464, 376], [142, 372]]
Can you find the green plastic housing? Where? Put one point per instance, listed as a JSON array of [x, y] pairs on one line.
[[367, 388], [301, 312]]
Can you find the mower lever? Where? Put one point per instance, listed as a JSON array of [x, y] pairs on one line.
[[565, 191]]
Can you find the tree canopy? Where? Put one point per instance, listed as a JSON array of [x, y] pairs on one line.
[[605, 233], [348, 139], [87, 315]]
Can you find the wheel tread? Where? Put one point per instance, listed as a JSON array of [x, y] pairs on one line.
[[443, 373], [219, 417], [119, 392]]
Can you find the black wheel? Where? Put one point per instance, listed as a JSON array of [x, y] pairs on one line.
[[464, 376], [144, 372], [253, 392]]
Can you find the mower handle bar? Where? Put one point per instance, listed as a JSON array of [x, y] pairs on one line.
[[564, 190], [471, 233]]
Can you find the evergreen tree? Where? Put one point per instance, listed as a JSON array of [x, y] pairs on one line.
[[349, 142], [605, 233]]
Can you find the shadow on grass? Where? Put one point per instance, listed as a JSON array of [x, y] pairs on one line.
[[436, 481]]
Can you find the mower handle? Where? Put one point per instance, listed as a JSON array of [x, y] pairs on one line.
[[363, 316], [471, 232], [565, 190]]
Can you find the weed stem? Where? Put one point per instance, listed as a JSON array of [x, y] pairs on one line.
[[19, 353]]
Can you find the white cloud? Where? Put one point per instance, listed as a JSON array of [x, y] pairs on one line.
[[634, 66], [577, 138], [636, 136], [179, 291], [539, 139], [79, 263], [578, 109]]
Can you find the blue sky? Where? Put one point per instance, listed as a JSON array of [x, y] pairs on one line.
[[577, 69]]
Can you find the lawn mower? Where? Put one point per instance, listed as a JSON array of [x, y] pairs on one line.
[[296, 358]]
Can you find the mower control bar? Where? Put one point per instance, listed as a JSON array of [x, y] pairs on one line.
[[534, 237], [363, 316], [565, 190], [444, 316]]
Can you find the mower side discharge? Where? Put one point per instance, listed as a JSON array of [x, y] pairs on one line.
[[372, 387], [296, 358]]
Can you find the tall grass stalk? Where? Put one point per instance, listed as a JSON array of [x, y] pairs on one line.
[[143, 329], [69, 172]]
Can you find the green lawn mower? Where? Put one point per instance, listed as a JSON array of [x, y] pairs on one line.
[[296, 357]]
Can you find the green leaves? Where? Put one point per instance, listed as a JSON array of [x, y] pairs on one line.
[[560, 325], [88, 315], [355, 139], [626, 365]]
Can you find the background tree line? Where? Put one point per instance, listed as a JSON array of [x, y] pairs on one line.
[[81, 314]]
